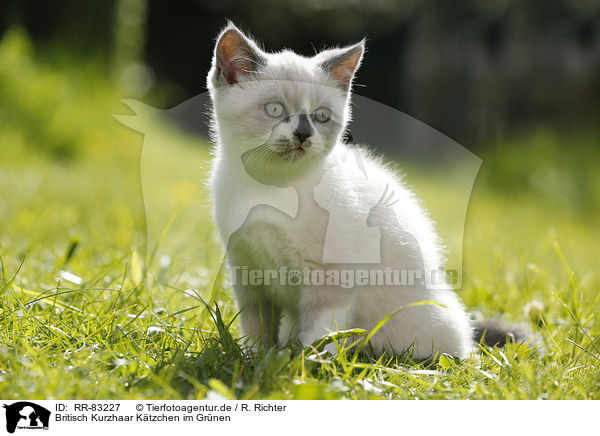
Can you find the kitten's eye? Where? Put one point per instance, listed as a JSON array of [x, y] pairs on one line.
[[274, 110], [322, 115]]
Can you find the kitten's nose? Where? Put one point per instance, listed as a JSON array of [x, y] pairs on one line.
[[304, 129]]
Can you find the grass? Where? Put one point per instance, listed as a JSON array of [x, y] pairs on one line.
[[74, 205]]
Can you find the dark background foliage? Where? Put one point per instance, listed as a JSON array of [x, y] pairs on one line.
[[473, 70]]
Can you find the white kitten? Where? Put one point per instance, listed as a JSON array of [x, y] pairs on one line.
[[296, 208]]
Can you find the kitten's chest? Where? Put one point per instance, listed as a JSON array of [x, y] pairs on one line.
[[271, 239], [267, 226]]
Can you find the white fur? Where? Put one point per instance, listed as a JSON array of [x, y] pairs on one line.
[[272, 236]]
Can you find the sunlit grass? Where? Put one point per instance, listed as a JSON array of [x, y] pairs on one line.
[[118, 334]]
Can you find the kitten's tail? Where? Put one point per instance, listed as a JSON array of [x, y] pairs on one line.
[[497, 334]]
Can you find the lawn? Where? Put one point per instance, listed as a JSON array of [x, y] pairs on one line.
[[90, 309]]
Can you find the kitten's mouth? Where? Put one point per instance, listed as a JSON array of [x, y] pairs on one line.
[[291, 154]]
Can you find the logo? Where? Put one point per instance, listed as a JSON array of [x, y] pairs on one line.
[[380, 238], [26, 415]]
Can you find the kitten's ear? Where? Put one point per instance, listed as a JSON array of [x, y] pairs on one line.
[[235, 56], [341, 64]]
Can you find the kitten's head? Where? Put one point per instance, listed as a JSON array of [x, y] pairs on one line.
[[280, 113]]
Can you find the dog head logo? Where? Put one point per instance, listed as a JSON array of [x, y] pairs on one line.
[[439, 170], [26, 415]]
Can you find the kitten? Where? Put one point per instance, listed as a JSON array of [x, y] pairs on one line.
[[290, 196]]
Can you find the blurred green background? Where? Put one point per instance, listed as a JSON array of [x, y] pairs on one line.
[[473, 70], [516, 82]]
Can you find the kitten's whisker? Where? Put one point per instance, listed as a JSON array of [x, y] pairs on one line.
[[265, 152], [258, 153]]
